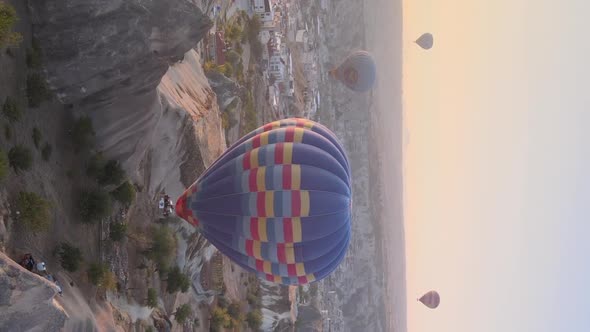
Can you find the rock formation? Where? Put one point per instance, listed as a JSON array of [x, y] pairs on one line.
[[99, 50], [27, 301]]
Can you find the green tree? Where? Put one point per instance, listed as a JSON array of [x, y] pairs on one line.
[[125, 193], [20, 158], [118, 231], [254, 319], [36, 137], [46, 151], [94, 205], [152, 300], [7, 19], [70, 257], [11, 110], [177, 281], [182, 313], [3, 165], [82, 133], [34, 211], [37, 90], [162, 248]]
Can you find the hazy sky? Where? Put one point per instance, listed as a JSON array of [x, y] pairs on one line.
[[496, 169]]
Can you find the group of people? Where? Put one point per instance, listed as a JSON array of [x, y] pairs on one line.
[[28, 262], [166, 205]]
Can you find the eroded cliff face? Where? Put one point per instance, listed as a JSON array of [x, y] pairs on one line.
[[27, 301], [97, 51]]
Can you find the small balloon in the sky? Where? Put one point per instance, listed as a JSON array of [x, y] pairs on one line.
[[425, 41], [430, 299], [358, 71]]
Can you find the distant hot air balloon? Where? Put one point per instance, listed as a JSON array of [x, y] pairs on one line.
[[277, 202], [357, 72], [425, 41], [430, 299]]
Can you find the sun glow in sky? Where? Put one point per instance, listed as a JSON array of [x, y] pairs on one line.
[[496, 183]]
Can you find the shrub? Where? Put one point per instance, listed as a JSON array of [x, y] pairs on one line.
[[256, 47], [7, 132], [3, 165], [95, 165], [233, 57], [20, 158], [240, 69], [70, 257], [100, 275], [253, 28], [209, 65], [152, 300], [182, 313], [34, 211], [94, 205], [226, 69], [82, 133], [118, 231], [177, 281], [125, 193], [254, 319], [34, 56], [112, 173], [46, 151], [36, 137], [222, 302], [225, 120], [251, 122], [234, 310], [162, 248], [11, 110], [7, 20], [37, 90]]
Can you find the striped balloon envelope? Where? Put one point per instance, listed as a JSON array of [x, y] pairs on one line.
[[277, 202]]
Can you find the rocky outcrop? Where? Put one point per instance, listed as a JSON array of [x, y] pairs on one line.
[[227, 91], [188, 136], [98, 50], [27, 301]]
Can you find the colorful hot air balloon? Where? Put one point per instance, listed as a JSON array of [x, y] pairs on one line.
[[425, 41], [430, 299], [357, 72], [277, 202]]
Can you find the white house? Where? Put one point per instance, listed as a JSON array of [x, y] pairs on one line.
[[277, 68], [264, 9]]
